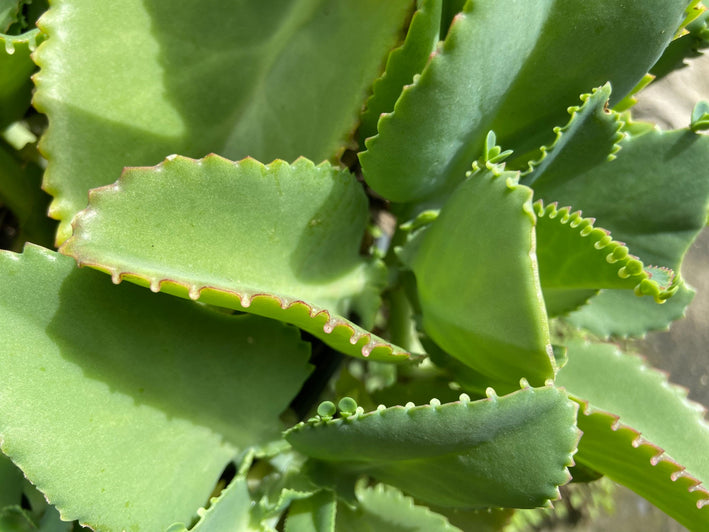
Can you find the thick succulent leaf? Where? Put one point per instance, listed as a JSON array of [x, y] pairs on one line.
[[403, 63], [658, 222], [383, 507], [15, 70], [278, 240], [167, 387], [439, 123], [10, 483], [478, 282], [640, 430], [231, 510], [200, 77], [615, 313], [592, 136], [20, 192], [661, 218], [509, 451], [314, 514], [576, 259]]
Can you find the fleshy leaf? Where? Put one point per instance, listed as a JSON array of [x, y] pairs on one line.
[[198, 77], [659, 221], [403, 64], [383, 507], [277, 240], [231, 510], [576, 259], [163, 394], [478, 283], [640, 430], [15, 70], [20, 192], [700, 117], [509, 451], [620, 314], [592, 136], [10, 483], [314, 514], [439, 123]]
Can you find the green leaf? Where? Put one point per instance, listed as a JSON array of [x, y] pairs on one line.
[[640, 430], [383, 507], [700, 117], [615, 313], [20, 192], [16, 67], [658, 223], [164, 393], [592, 136], [277, 240], [501, 451], [576, 259], [478, 283], [10, 483], [240, 79], [498, 69], [15, 519], [314, 514], [403, 64], [231, 510]]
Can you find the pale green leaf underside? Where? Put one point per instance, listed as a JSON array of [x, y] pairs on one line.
[[403, 64], [509, 451], [619, 313], [278, 240], [576, 259], [478, 282], [164, 393], [128, 83], [383, 507], [439, 124], [640, 430]]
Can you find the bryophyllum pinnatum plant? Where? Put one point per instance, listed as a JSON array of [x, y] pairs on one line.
[[366, 262]]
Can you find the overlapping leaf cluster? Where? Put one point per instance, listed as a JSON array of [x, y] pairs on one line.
[[224, 151]]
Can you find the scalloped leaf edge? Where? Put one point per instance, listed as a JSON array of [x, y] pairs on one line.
[[574, 111], [629, 266], [325, 325], [640, 442]]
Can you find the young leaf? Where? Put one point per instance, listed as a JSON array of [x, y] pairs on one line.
[[127, 422], [640, 430], [279, 240], [478, 283], [256, 79], [501, 451], [499, 69]]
